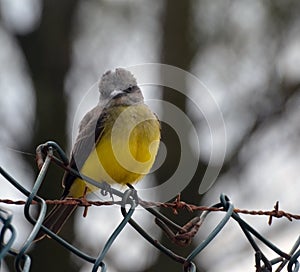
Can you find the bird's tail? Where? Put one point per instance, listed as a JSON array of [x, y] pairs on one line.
[[55, 220]]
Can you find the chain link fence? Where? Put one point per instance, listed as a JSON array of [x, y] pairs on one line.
[[128, 202]]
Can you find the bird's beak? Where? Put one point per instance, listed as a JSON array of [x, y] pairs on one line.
[[116, 92]]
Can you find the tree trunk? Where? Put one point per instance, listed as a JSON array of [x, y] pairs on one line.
[[47, 51], [178, 49]]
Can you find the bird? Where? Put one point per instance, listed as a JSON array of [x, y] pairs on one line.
[[117, 143]]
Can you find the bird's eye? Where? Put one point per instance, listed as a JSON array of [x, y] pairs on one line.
[[129, 89]]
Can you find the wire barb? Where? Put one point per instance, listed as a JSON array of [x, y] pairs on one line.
[[184, 236]]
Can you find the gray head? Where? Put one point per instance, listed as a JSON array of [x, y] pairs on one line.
[[118, 80]]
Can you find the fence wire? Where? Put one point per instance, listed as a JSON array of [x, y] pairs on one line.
[[180, 235]]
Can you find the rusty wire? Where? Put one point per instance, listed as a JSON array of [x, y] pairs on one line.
[[180, 235]]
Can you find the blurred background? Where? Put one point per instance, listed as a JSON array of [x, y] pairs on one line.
[[246, 52]]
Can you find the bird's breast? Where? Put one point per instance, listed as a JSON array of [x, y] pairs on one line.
[[127, 148]]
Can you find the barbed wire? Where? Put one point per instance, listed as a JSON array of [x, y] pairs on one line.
[[180, 235], [175, 206]]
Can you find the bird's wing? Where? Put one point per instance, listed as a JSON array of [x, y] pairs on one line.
[[90, 131]]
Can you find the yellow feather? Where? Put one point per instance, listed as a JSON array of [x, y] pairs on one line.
[[125, 151]]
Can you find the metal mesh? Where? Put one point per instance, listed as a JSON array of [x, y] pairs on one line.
[[129, 200]]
